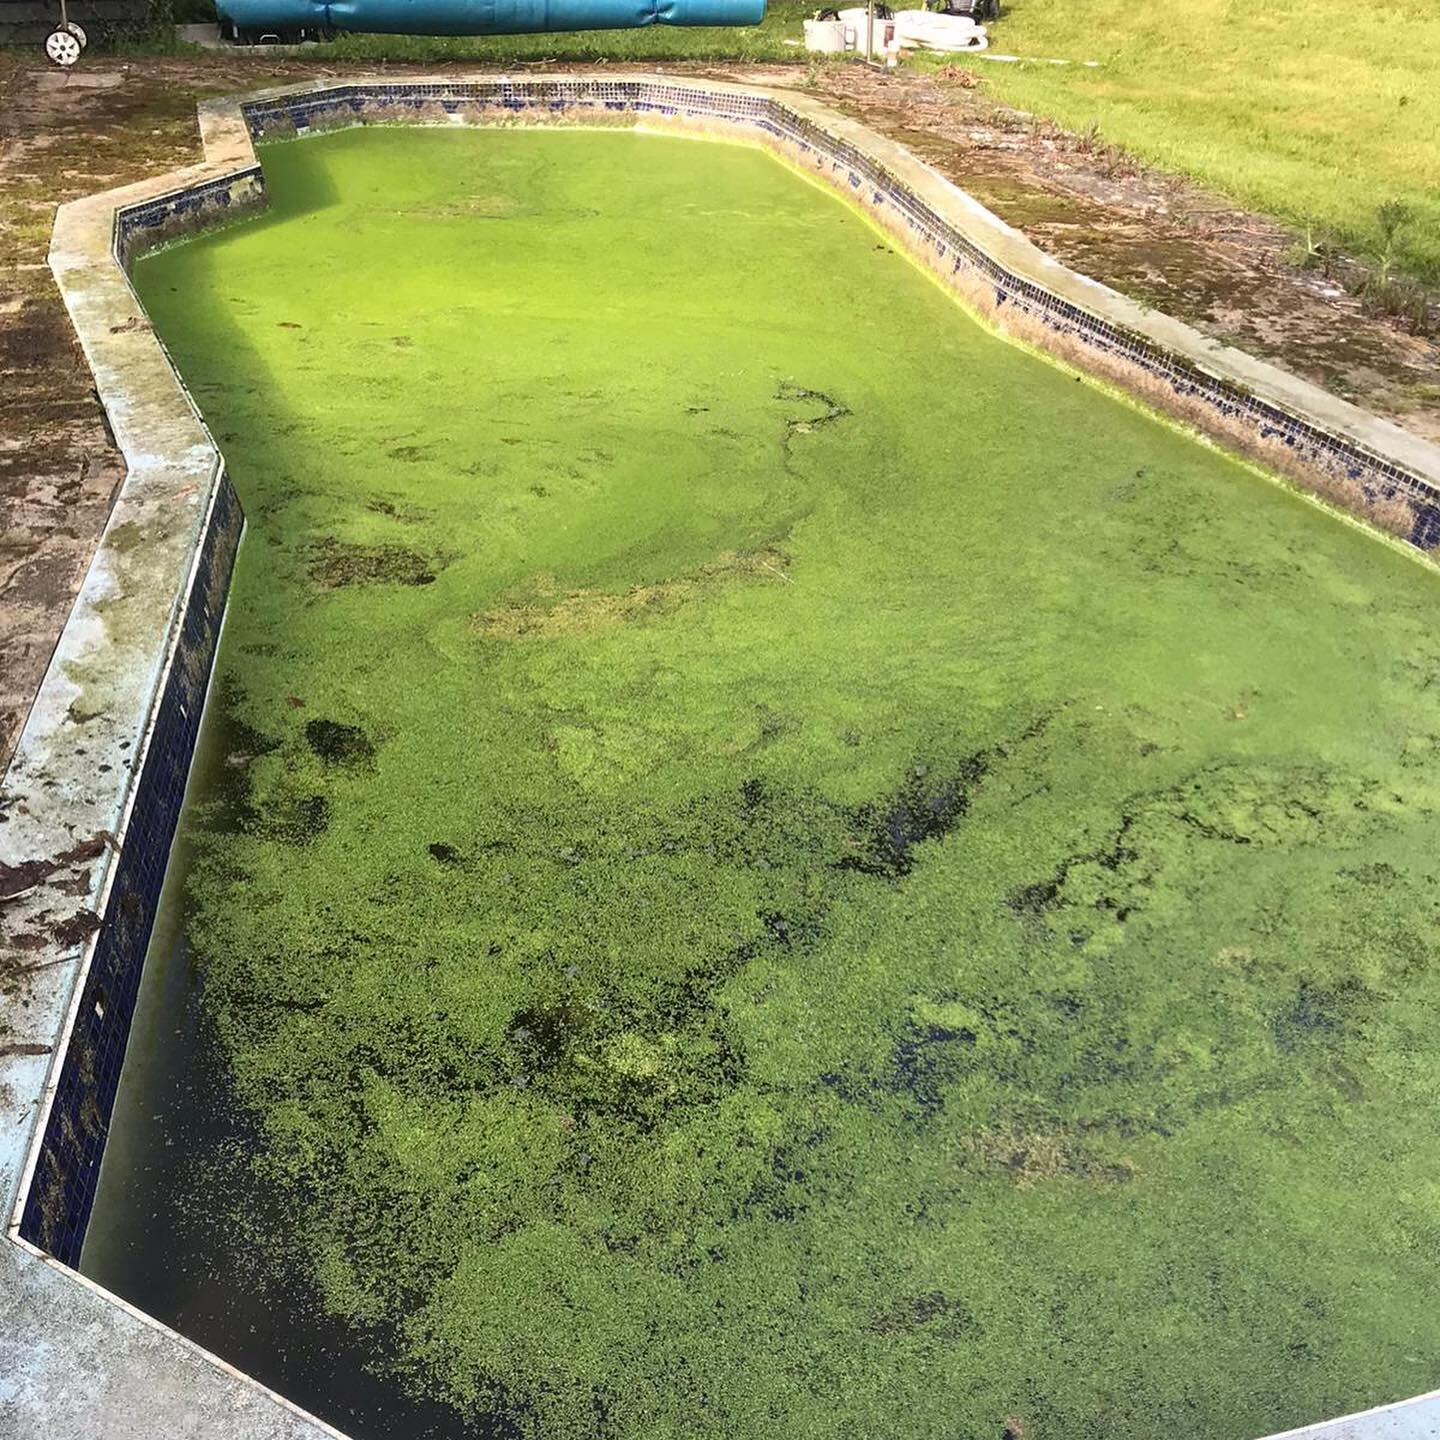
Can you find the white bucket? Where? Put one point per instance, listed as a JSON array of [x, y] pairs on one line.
[[855, 21], [825, 36]]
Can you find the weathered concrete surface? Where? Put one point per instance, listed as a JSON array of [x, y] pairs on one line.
[[73, 1362], [64, 135], [1417, 1419], [67, 792], [75, 1365]]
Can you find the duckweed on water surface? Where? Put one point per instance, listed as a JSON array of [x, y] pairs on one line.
[[785, 868]]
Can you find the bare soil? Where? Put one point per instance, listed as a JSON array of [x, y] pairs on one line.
[[1156, 237]]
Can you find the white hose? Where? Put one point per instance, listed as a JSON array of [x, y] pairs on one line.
[[913, 29], [927, 30]]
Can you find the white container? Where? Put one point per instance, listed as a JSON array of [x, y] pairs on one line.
[[826, 37], [855, 21]]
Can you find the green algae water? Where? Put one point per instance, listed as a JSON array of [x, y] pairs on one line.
[[766, 863]]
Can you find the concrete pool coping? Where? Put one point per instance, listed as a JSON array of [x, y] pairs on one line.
[[73, 1359]]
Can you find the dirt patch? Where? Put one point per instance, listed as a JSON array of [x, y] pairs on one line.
[[17, 879], [335, 564], [78, 928]]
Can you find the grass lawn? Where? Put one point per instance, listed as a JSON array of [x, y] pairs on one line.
[[1301, 108]]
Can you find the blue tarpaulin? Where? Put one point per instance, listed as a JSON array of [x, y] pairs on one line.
[[483, 17]]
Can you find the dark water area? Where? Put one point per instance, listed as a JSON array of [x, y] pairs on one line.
[[180, 1228]]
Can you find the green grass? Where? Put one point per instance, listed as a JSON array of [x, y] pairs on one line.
[[1300, 108], [782, 866]]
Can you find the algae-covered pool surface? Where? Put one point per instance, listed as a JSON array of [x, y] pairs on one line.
[[772, 865]]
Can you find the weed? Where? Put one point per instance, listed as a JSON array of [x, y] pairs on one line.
[[1392, 219], [1313, 249], [1397, 298]]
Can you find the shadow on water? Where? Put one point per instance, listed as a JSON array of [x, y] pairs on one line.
[[182, 1229]]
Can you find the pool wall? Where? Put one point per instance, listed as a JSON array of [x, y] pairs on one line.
[[88, 810], [67, 1163], [90, 803]]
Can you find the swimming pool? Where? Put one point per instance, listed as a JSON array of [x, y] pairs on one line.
[[89, 804], [773, 860]]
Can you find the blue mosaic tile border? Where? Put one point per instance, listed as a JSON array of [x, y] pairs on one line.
[[139, 227], [62, 1192]]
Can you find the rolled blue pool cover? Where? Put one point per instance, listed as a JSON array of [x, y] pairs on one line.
[[484, 17]]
